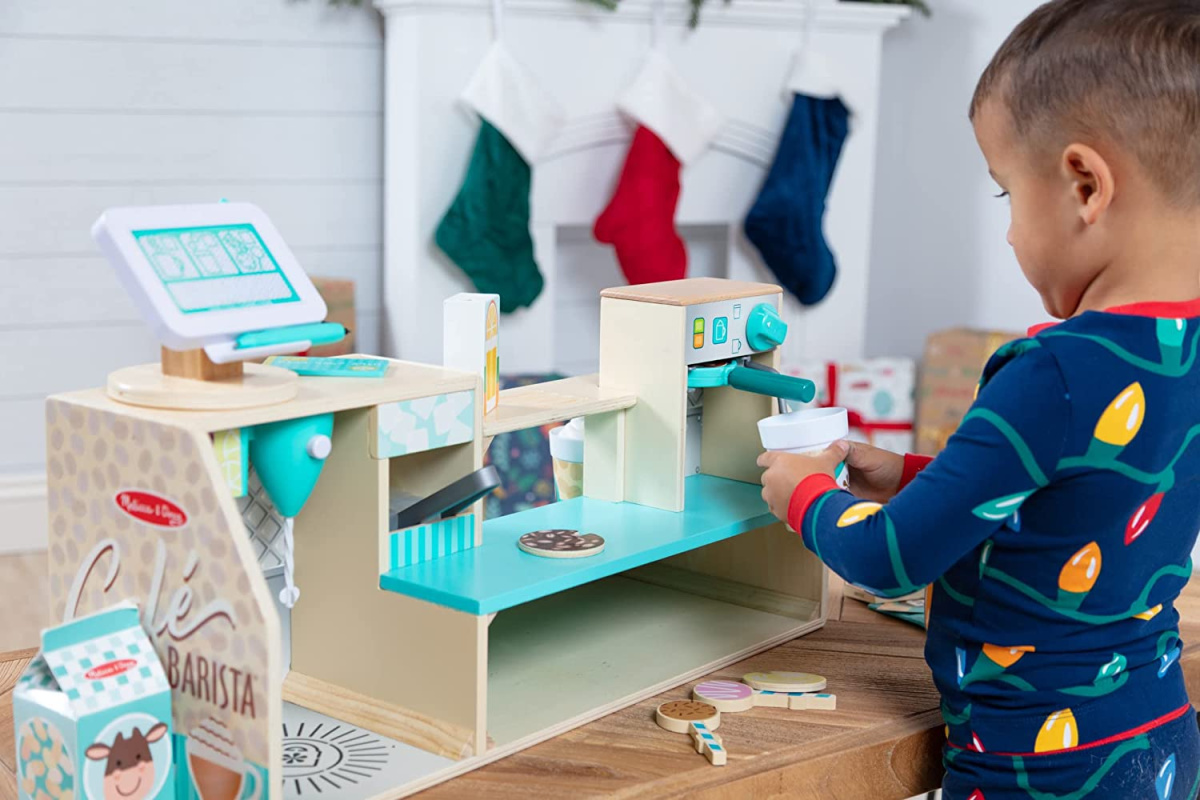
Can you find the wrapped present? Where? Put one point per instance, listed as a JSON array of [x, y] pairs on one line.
[[877, 393], [338, 295], [954, 361]]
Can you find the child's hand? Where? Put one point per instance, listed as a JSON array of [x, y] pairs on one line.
[[874, 474], [785, 471]]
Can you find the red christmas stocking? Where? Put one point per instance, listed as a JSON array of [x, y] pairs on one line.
[[675, 126], [640, 218]]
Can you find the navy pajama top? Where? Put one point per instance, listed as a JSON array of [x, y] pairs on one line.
[[1056, 527]]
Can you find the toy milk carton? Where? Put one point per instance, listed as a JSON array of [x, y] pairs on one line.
[[93, 713], [471, 340]]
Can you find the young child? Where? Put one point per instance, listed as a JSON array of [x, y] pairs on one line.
[[1057, 525]]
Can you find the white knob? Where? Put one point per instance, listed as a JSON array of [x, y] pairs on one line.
[[319, 447]]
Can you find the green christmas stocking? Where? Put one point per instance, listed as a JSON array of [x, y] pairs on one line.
[[486, 230]]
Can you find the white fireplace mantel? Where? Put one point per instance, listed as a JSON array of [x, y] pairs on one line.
[[827, 14], [738, 58]]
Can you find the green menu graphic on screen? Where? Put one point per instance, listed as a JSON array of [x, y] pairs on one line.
[[215, 267]]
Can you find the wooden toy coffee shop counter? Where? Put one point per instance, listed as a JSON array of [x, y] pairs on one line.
[[442, 645]]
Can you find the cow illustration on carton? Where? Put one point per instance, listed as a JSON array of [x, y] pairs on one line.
[[93, 713]]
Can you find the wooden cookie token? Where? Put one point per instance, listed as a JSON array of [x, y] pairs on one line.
[[702, 739], [812, 701], [708, 744], [769, 699], [727, 696], [796, 701], [785, 681], [677, 716], [561, 543]]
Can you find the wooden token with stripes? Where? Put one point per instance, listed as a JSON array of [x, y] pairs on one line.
[[727, 696]]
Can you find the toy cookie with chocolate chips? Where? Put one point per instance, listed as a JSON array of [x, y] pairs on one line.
[[678, 715], [561, 543]]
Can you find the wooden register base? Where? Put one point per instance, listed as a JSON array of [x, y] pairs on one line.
[[190, 381]]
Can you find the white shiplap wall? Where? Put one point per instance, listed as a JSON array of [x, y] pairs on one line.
[[117, 102]]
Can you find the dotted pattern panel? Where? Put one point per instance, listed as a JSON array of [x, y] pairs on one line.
[[91, 456]]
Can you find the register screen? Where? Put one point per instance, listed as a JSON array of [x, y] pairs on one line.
[[215, 267]]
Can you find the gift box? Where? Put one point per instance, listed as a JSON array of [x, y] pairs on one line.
[[877, 393], [954, 362], [92, 713], [338, 295]]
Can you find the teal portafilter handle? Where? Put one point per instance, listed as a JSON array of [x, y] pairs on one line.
[[709, 377], [288, 457], [772, 384]]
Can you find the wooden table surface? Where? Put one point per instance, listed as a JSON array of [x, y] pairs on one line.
[[883, 741]]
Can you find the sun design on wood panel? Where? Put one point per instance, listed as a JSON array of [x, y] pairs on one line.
[[330, 757]]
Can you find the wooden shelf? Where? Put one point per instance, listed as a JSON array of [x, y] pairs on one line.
[[555, 401], [581, 654], [498, 575]]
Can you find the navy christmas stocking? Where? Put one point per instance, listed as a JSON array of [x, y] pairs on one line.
[[786, 222]]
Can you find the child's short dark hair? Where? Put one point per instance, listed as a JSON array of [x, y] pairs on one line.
[[1123, 70]]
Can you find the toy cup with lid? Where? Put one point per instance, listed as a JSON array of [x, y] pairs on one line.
[[566, 451], [809, 431]]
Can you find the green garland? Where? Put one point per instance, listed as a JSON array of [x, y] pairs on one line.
[[696, 5]]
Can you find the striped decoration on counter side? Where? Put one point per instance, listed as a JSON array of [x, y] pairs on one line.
[[427, 542]]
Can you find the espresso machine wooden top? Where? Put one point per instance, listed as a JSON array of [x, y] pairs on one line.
[[690, 292]]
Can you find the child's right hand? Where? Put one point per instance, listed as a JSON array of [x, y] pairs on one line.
[[874, 473]]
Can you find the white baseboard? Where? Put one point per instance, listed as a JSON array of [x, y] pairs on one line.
[[22, 512]]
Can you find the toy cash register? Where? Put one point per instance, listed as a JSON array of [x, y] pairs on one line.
[[441, 645], [218, 286]]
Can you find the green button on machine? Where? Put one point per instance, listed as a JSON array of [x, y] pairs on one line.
[[698, 334]]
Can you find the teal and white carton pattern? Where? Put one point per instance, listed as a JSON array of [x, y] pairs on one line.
[[427, 423], [93, 713]]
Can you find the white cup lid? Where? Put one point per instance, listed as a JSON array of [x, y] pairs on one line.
[[566, 442], [810, 428]]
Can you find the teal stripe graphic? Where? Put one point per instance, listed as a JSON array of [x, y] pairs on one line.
[[427, 542]]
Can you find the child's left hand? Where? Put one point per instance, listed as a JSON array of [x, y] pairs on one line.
[[785, 471]]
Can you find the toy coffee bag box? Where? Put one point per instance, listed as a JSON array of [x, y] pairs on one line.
[[471, 340], [954, 362], [92, 714]]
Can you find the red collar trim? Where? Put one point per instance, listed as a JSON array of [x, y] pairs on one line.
[[1183, 309]]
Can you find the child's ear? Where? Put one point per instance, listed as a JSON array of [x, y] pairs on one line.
[[1092, 184]]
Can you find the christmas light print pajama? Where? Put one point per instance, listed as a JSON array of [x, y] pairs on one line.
[[1057, 529]]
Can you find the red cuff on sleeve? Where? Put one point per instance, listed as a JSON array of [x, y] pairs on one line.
[[805, 495], [913, 464]]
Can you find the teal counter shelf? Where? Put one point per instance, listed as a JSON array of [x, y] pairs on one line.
[[499, 575]]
